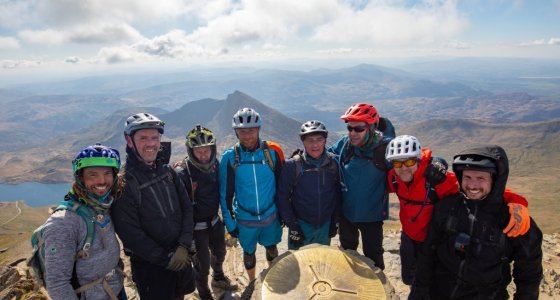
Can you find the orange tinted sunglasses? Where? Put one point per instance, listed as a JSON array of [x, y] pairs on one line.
[[408, 163]]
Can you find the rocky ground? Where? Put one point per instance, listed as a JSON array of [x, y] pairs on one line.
[[15, 282]]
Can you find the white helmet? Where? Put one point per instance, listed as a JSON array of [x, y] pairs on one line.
[[246, 118], [403, 146]]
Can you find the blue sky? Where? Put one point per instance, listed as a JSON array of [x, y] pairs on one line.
[[77, 35]]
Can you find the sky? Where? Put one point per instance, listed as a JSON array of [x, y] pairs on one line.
[[42, 35]]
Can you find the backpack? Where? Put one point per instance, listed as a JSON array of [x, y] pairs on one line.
[[431, 197], [266, 145], [37, 260]]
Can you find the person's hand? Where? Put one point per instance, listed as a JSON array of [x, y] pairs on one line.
[[419, 293], [519, 221], [296, 236], [436, 172], [179, 163], [230, 240], [333, 230], [179, 259]]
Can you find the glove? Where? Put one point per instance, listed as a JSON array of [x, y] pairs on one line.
[[333, 230], [179, 259], [436, 172], [230, 240], [234, 233], [296, 236], [519, 221], [419, 293]]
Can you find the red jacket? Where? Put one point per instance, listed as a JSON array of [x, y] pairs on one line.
[[416, 192]]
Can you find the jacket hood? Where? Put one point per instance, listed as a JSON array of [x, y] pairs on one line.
[[496, 154]]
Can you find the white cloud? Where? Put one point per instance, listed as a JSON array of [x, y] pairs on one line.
[[104, 33], [389, 24], [92, 34], [554, 41], [73, 59], [46, 37], [16, 64], [55, 13], [455, 44], [541, 42], [8, 43]]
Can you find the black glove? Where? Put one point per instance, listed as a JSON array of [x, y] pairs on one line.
[[419, 293], [234, 233], [436, 172], [333, 229], [296, 236]]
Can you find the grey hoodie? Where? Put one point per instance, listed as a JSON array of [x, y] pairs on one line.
[[64, 233]]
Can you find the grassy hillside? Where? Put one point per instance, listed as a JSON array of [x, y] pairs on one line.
[[17, 221]]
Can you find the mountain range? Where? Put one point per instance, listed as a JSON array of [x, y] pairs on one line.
[[50, 161]]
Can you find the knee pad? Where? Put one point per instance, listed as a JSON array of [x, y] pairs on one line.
[[271, 252], [249, 260]]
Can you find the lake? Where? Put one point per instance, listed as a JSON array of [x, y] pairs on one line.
[[34, 194]]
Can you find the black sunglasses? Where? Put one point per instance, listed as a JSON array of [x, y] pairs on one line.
[[357, 129]]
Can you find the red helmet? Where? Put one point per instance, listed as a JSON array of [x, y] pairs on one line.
[[362, 112]]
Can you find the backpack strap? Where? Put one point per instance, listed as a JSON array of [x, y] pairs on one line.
[[298, 162], [87, 216], [193, 188], [378, 158], [267, 156]]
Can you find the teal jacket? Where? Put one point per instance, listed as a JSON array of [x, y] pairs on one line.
[[365, 196], [247, 191]]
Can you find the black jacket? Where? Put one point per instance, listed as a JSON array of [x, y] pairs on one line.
[[206, 196], [466, 255], [154, 214]]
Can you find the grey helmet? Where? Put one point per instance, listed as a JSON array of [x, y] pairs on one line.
[[246, 118], [311, 127], [142, 121]]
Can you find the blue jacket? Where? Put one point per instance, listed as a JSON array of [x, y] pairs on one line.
[[315, 198], [365, 197], [247, 194]]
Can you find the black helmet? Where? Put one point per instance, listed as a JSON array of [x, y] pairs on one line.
[[311, 127], [474, 162]]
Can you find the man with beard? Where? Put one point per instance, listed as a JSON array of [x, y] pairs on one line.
[[154, 218]]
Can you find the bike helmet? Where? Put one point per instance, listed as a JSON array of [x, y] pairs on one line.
[[200, 137], [311, 127], [403, 146], [246, 118], [473, 162], [96, 156], [142, 121], [362, 112]]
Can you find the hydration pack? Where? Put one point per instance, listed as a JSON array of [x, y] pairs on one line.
[[37, 260]]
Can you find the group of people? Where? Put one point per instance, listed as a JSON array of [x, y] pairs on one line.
[[460, 230]]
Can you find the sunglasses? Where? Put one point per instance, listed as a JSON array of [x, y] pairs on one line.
[[357, 129], [409, 163]]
